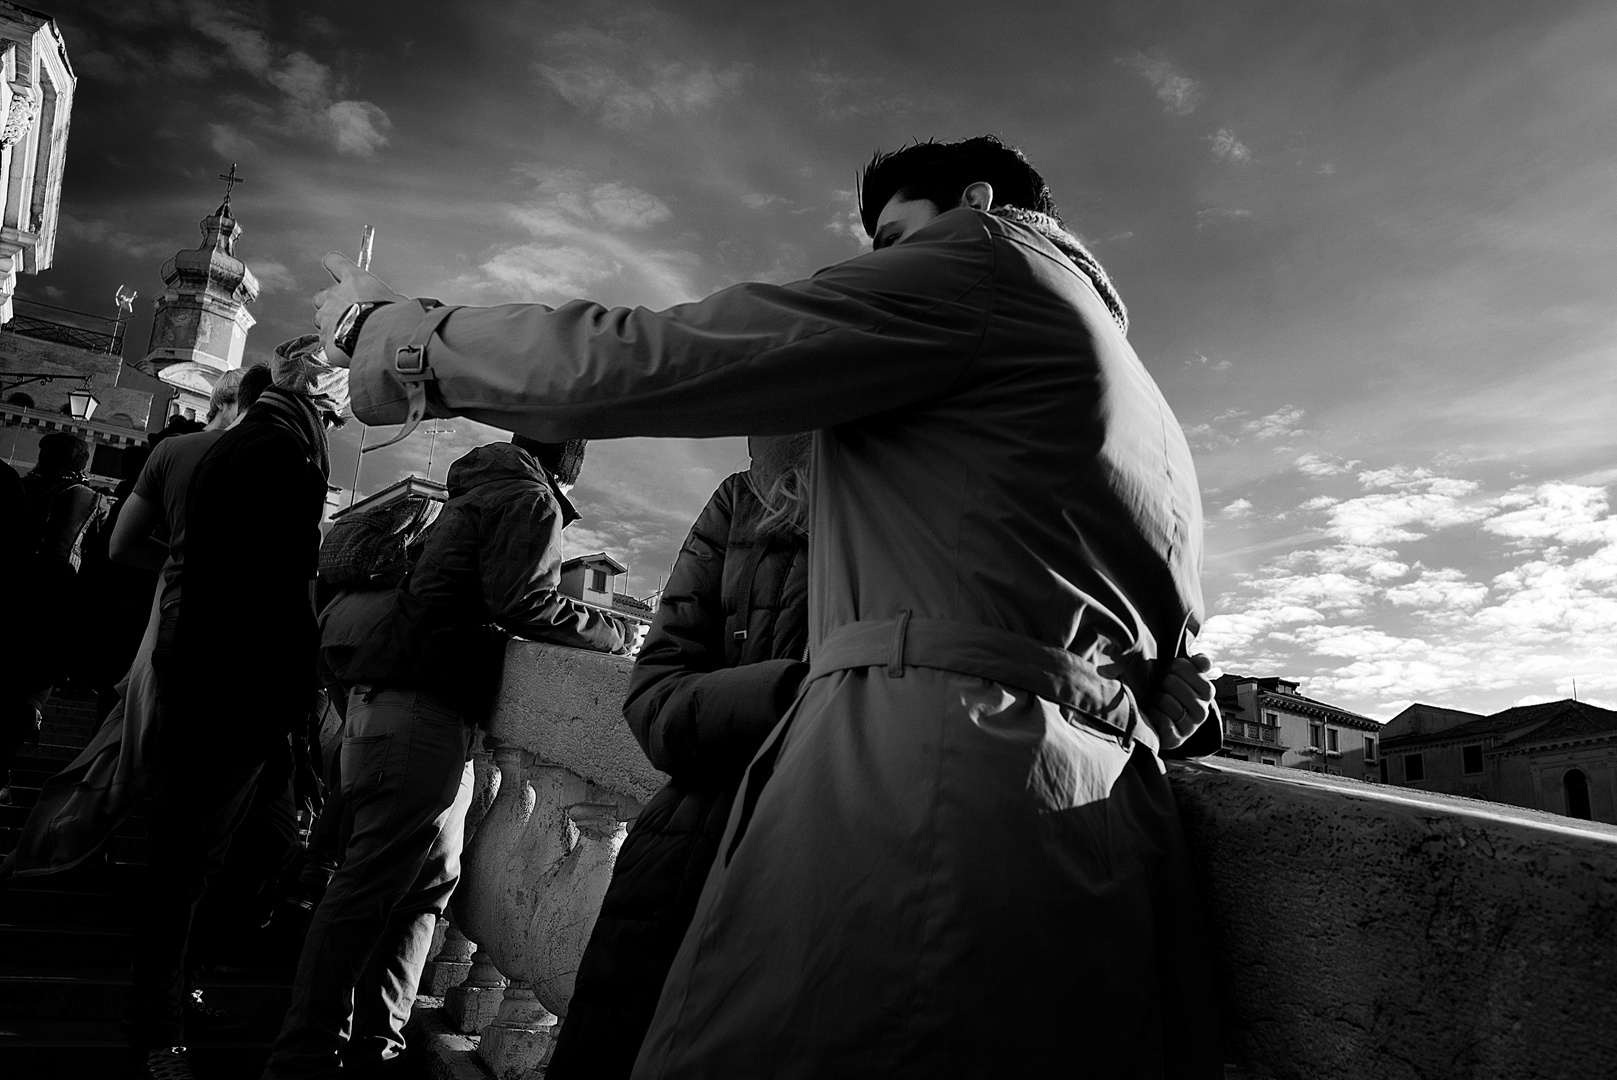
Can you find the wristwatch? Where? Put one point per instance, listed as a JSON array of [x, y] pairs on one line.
[[346, 336]]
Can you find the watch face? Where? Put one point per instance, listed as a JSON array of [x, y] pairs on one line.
[[346, 323]]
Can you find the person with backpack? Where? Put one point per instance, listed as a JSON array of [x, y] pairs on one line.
[[419, 684], [60, 509], [363, 560]]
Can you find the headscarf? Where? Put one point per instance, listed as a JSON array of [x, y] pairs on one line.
[[300, 366]]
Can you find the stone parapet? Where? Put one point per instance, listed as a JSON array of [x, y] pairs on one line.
[[565, 707], [1368, 933], [1361, 932]]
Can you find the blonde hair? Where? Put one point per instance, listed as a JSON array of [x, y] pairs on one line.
[[779, 477], [224, 392]]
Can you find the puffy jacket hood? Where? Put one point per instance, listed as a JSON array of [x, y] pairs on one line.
[[496, 461]]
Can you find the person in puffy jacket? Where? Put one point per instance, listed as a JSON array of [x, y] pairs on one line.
[[721, 663]]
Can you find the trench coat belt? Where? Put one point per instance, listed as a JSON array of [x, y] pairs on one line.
[[985, 652]]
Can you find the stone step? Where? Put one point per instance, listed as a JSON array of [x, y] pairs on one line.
[[37, 902], [123, 846], [70, 946], [15, 816], [101, 992], [97, 1052]]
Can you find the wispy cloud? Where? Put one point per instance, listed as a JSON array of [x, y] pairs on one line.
[[1178, 92], [1318, 464], [583, 240], [1378, 628], [626, 81], [1226, 147], [206, 38], [844, 97]]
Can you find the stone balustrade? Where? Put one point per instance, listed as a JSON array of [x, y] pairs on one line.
[[1361, 931]]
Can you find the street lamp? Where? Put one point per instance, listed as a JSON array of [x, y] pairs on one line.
[[82, 402]]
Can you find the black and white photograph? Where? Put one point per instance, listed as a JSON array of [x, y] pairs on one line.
[[701, 540]]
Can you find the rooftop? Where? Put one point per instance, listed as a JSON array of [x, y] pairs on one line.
[[1547, 720]]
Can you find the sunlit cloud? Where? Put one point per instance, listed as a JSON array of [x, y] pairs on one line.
[[1226, 147], [1178, 92]]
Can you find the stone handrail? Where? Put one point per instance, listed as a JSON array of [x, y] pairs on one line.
[[1360, 931]]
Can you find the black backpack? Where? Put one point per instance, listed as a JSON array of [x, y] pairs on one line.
[[370, 549]]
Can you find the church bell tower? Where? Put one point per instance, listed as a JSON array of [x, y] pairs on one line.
[[200, 327]]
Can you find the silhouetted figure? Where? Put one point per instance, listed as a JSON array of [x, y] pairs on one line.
[[234, 662]]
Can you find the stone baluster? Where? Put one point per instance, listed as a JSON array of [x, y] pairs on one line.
[[564, 773], [485, 786], [473, 1004], [517, 1045], [451, 962]]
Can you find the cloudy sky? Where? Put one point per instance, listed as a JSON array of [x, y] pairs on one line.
[[1369, 250]]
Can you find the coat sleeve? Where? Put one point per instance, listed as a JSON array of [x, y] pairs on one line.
[[698, 720], [874, 333], [519, 558]]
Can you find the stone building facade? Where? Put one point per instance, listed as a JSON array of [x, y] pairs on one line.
[[1267, 721], [36, 102], [1557, 756]]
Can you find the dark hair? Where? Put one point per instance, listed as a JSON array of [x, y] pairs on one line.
[[941, 172], [62, 454], [563, 460], [255, 379]]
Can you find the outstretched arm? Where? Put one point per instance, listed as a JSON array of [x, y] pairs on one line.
[[877, 332]]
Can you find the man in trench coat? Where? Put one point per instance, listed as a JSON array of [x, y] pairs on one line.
[[965, 860]]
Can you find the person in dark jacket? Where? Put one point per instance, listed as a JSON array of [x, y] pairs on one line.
[[252, 538], [425, 677]]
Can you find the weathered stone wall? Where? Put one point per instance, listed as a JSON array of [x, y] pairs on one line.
[[1373, 932]]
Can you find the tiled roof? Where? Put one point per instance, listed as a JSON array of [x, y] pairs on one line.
[[1432, 718], [1569, 720], [1537, 716]]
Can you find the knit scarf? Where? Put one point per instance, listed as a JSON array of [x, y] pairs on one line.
[[1052, 230], [298, 414]]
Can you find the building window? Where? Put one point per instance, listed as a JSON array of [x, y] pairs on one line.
[[1471, 759], [598, 581], [1369, 748], [1316, 736], [1268, 761], [1577, 794], [1330, 739], [1271, 718], [1414, 767]]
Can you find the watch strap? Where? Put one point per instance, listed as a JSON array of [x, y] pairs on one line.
[[413, 370]]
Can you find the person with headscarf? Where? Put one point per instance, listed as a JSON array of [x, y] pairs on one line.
[[234, 663]]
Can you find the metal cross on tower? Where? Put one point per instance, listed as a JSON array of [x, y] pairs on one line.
[[231, 180]]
